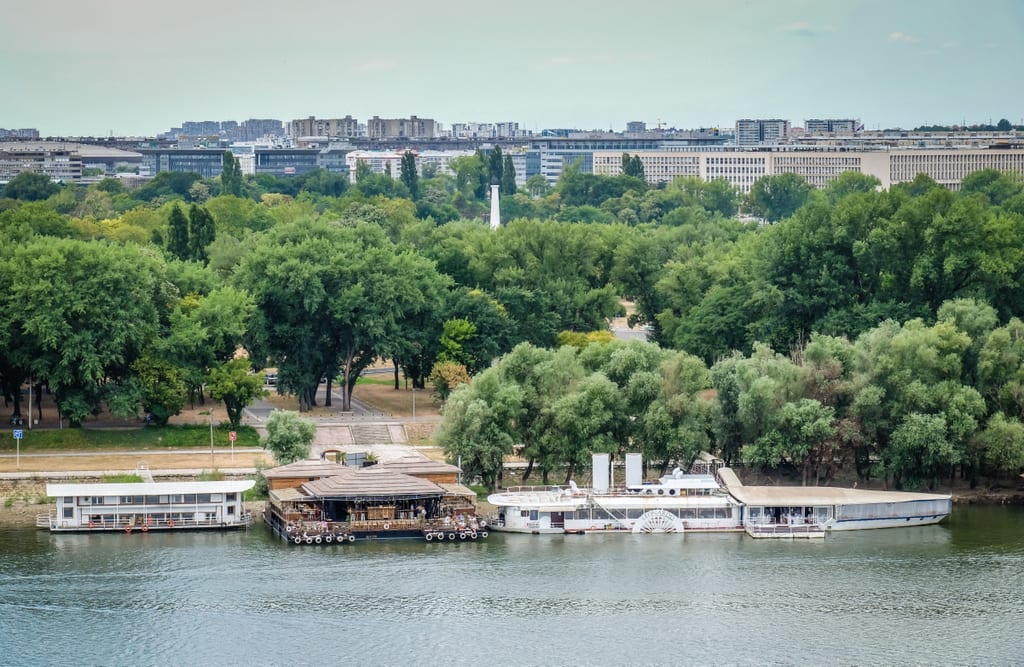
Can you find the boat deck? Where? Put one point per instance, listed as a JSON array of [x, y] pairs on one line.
[[785, 531]]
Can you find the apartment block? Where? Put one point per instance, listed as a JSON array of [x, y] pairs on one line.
[[62, 166], [401, 128], [751, 132], [331, 128]]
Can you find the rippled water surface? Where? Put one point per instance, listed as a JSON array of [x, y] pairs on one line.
[[949, 595]]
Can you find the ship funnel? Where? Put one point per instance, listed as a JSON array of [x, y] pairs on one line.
[[634, 470], [601, 468]]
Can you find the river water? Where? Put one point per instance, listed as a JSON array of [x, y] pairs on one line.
[[951, 594]]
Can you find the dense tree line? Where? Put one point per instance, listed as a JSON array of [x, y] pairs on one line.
[[845, 327]]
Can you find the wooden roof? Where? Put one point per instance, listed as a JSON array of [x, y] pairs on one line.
[[373, 482], [306, 468], [420, 465]]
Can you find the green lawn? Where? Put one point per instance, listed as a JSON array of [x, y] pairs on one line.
[[150, 437]]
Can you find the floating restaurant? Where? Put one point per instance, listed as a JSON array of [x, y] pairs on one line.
[[145, 506], [322, 502]]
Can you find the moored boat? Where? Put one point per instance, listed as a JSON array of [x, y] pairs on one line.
[[319, 502], [672, 504], [713, 499], [145, 506]]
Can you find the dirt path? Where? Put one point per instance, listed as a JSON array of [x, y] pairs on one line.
[[125, 462]]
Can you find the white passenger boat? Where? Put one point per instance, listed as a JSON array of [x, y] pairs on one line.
[[673, 504], [714, 500], [144, 506]]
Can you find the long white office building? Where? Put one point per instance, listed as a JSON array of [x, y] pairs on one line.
[[820, 167]]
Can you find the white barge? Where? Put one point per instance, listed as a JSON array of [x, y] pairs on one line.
[[712, 500], [144, 506]]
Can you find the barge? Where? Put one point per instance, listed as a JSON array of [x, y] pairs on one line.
[[320, 502], [145, 506]]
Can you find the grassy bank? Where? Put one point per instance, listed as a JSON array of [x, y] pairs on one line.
[[149, 437]]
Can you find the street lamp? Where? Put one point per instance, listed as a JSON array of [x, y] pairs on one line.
[[212, 462]]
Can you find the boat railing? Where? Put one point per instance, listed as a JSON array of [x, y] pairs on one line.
[[140, 523], [781, 529]]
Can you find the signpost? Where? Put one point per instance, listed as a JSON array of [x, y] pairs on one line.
[[18, 435], [233, 436]]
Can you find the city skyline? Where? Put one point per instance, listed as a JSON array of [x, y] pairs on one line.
[[134, 69]]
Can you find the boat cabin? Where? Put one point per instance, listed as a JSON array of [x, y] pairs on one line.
[[145, 506]]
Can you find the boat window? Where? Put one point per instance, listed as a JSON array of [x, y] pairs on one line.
[[568, 515], [687, 513], [232, 497], [533, 515], [203, 498], [525, 514], [706, 513], [69, 500], [601, 515], [69, 512], [152, 500], [231, 509], [722, 513], [215, 497], [634, 514]]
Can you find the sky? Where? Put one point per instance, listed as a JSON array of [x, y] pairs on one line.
[[131, 67]]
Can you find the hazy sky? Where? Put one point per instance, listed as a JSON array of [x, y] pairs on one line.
[[143, 66]]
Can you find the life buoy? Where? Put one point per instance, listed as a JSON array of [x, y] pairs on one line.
[[483, 534], [288, 529], [473, 535], [170, 523], [661, 492], [483, 524], [351, 538], [309, 539], [387, 526], [429, 536], [128, 530], [92, 525], [298, 539], [462, 535], [328, 538], [318, 539], [451, 536], [145, 529]]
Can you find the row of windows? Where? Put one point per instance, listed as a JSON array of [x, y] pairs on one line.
[[180, 499], [598, 514]]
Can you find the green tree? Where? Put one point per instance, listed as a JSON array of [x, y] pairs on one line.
[[537, 186], [201, 233], [331, 298], [478, 426], [83, 311], [162, 387], [289, 437], [408, 174], [30, 186], [508, 177], [495, 166], [230, 175], [632, 166], [177, 234], [776, 197], [234, 383]]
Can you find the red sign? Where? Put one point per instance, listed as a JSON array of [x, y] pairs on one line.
[[232, 435]]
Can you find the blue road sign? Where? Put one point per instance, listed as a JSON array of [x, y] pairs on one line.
[[18, 434]]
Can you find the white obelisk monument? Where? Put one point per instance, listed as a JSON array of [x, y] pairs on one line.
[[495, 205]]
